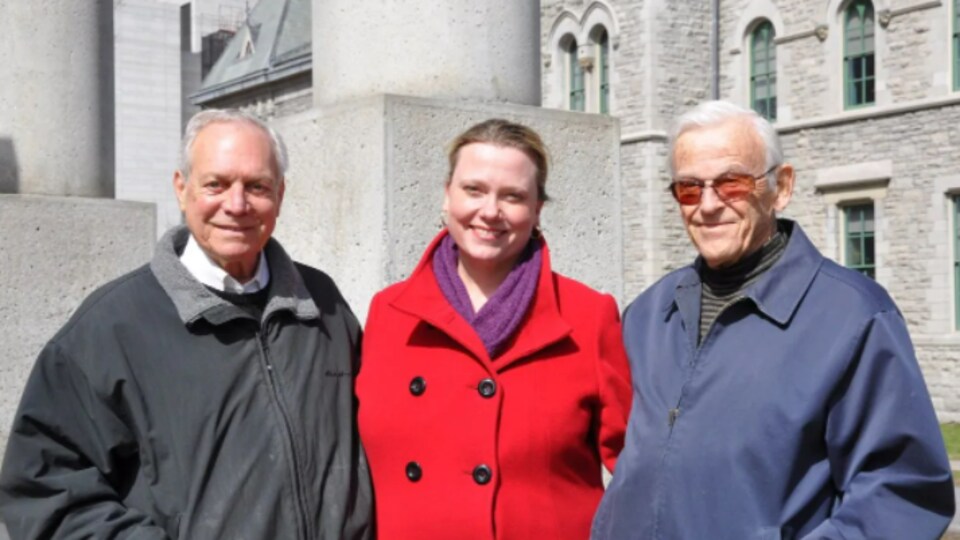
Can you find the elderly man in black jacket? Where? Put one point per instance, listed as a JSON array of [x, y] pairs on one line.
[[208, 394]]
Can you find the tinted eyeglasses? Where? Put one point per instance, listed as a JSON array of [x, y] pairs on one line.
[[729, 187]]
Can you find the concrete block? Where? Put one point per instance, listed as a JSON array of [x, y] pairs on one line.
[[54, 251], [365, 188]]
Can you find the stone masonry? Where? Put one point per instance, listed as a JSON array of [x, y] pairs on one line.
[[660, 66]]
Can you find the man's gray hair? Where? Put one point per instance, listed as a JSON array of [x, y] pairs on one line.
[[712, 113], [225, 116]]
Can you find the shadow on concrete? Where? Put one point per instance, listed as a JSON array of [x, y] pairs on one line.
[[9, 169]]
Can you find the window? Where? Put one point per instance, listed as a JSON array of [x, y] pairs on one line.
[[859, 239], [763, 72], [956, 261], [603, 46], [577, 91], [956, 44], [579, 72], [858, 55]]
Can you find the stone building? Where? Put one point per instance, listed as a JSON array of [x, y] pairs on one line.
[[865, 96]]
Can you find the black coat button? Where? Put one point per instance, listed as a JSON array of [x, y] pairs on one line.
[[414, 472], [482, 474], [418, 386], [487, 388]]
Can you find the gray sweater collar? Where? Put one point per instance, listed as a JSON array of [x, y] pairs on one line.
[[194, 302]]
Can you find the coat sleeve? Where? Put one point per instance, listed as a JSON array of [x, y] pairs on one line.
[[67, 454], [884, 446], [613, 373]]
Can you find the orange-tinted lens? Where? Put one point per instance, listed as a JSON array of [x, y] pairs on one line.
[[732, 187], [687, 192]]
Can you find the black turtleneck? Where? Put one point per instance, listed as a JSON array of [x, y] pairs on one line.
[[252, 304], [723, 286]]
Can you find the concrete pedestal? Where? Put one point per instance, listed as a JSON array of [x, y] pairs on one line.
[[457, 49], [54, 251], [365, 188]]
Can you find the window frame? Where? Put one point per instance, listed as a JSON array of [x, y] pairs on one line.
[[603, 70], [863, 236], [769, 75], [576, 93], [955, 36], [867, 39], [955, 228]]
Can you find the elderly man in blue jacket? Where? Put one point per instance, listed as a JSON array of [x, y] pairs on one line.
[[778, 395]]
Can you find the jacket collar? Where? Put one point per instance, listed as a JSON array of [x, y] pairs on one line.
[[777, 293], [194, 302], [543, 326]]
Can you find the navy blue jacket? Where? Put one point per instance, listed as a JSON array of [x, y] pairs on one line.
[[803, 413]]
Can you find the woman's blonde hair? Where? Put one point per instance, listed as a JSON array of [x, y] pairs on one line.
[[500, 132]]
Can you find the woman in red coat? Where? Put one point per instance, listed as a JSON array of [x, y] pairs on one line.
[[492, 390]]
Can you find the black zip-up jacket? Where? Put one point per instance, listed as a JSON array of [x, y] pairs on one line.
[[162, 411]]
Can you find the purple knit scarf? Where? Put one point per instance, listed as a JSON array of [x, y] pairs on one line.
[[500, 316]]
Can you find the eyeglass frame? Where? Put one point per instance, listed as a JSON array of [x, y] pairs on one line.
[[704, 184]]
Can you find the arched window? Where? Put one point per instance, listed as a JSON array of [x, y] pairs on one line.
[[858, 54], [576, 92], [763, 71], [603, 50]]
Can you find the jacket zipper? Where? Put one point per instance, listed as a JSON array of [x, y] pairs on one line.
[[301, 506], [674, 413]]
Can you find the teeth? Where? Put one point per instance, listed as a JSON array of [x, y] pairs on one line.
[[486, 233]]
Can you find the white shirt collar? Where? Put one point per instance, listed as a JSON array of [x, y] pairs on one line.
[[202, 267]]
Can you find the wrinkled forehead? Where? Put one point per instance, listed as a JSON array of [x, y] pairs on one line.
[[734, 140], [223, 139]]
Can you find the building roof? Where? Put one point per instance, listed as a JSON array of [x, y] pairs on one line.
[[274, 43]]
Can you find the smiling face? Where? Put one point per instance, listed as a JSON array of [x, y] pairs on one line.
[[232, 197], [726, 231], [491, 205]]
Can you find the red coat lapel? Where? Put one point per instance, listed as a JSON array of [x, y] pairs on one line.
[[423, 299], [543, 326]]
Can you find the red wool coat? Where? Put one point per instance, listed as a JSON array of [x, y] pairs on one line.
[[464, 446]]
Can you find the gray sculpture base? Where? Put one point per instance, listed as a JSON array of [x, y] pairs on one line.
[[54, 251], [365, 188]]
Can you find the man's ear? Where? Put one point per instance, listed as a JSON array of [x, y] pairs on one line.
[[180, 189], [785, 179]]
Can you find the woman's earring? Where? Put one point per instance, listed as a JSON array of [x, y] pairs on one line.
[[443, 219], [537, 232]]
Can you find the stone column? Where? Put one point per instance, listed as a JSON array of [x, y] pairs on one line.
[[56, 97], [455, 49]]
